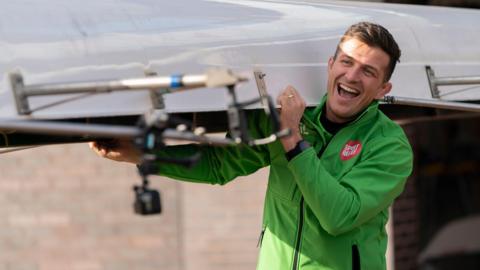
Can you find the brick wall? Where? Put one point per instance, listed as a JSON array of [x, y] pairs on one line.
[[443, 188], [406, 225], [64, 208], [405, 213]]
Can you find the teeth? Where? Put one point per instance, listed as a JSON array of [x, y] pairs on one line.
[[348, 89]]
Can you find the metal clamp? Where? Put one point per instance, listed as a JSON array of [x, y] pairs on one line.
[[436, 102], [174, 83], [434, 82]]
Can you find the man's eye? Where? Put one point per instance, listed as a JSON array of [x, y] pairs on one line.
[[346, 62], [369, 73]]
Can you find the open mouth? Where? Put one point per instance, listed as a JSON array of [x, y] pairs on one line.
[[347, 92]]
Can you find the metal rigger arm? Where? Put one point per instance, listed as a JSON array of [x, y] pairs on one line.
[[153, 128]]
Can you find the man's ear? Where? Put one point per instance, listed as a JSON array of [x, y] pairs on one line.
[[386, 88], [330, 62]]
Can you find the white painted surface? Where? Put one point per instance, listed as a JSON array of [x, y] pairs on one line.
[[291, 41]]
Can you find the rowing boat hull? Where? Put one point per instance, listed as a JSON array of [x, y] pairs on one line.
[[290, 41]]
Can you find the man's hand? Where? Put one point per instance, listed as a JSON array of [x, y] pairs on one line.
[[118, 150], [293, 106]]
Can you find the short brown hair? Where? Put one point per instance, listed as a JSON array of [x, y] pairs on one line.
[[374, 35]]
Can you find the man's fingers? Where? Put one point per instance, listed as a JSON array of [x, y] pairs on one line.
[[118, 150], [98, 149], [93, 145], [289, 93]]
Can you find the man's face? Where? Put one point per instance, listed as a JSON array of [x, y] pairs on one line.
[[355, 78]]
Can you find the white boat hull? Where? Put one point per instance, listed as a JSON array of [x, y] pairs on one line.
[[290, 41]]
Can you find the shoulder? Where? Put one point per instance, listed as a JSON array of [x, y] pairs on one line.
[[387, 134], [387, 128]]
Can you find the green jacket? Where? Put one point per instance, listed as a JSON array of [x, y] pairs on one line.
[[326, 208]]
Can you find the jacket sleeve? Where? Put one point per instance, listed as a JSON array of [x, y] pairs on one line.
[[219, 165], [369, 187]]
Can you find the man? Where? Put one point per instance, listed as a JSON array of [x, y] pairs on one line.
[[332, 181]]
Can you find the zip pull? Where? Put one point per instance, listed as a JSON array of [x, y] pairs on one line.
[[260, 237]]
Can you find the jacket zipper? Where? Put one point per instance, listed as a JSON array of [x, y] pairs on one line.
[[260, 238], [355, 258], [299, 237]]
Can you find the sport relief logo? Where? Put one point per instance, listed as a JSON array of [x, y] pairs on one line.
[[351, 149]]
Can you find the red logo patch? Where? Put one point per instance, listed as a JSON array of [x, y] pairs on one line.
[[351, 149]]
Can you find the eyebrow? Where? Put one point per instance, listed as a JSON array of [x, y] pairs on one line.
[[374, 69], [367, 66]]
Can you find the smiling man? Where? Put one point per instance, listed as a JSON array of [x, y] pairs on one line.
[[357, 75], [332, 181], [347, 159]]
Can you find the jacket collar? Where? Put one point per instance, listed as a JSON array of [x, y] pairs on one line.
[[313, 116]]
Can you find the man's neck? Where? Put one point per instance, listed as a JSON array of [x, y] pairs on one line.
[[330, 126]]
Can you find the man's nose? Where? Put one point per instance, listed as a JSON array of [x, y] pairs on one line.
[[353, 74]]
